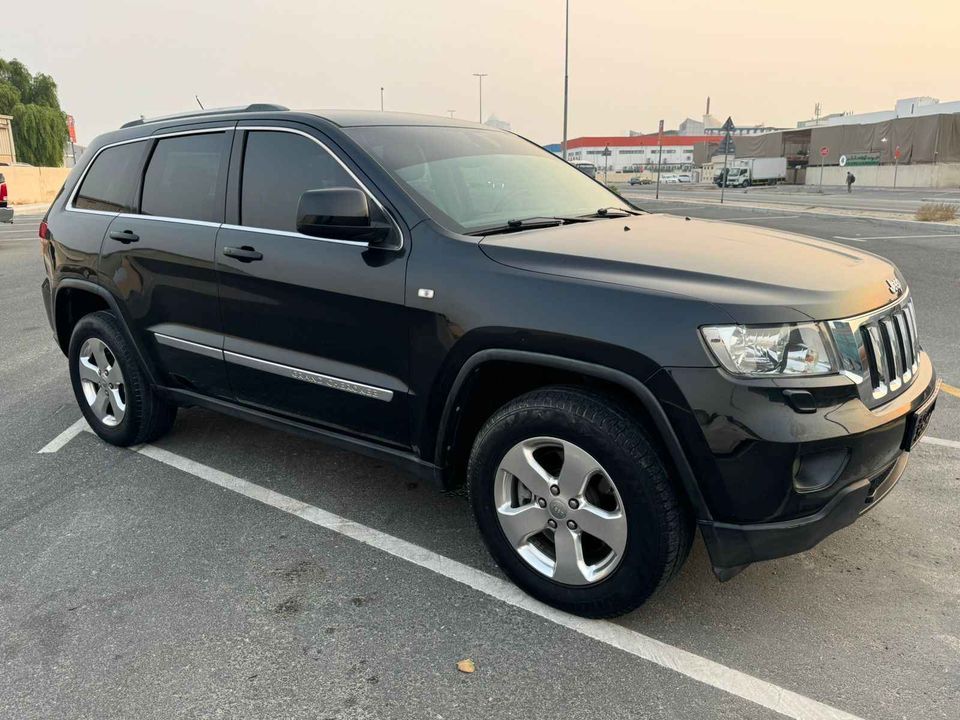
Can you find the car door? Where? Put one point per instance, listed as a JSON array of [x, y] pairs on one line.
[[314, 328], [159, 260]]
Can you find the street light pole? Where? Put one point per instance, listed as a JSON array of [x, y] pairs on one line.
[[381, 99], [659, 157], [480, 77], [566, 78]]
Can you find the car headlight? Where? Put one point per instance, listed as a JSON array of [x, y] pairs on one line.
[[770, 351]]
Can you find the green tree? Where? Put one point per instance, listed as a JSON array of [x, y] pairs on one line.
[[9, 98], [39, 126]]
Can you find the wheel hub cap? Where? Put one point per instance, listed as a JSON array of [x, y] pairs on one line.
[[578, 536], [102, 382]]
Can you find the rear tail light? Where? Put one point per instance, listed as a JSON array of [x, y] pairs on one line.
[[43, 230], [3, 192]]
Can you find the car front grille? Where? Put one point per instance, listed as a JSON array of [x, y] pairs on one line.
[[879, 351]]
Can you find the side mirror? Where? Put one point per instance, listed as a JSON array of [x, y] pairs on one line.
[[340, 214]]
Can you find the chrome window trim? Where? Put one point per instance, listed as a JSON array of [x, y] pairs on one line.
[[165, 218], [69, 207], [353, 176], [287, 371], [290, 233], [76, 188]]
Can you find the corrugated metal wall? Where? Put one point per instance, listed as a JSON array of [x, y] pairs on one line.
[[7, 154], [924, 139]]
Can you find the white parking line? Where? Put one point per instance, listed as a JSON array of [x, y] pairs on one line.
[[895, 237], [66, 436], [755, 217], [734, 682], [941, 441]]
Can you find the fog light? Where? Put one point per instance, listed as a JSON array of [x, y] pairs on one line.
[[819, 470]]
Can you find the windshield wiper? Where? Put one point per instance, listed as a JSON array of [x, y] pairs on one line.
[[605, 212], [530, 223]]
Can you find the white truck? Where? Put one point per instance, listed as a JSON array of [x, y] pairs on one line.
[[753, 171]]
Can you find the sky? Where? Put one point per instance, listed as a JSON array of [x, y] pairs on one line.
[[631, 62]]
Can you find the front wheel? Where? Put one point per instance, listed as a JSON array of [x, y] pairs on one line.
[[574, 504]]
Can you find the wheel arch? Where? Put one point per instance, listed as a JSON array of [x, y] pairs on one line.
[[75, 298], [450, 440]]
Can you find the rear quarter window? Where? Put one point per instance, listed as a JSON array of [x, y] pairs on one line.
[[110, 184]]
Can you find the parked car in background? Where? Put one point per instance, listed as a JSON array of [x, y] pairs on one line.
[[637, 180], [6, 212], [684, 178]]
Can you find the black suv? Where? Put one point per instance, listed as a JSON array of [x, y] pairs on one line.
[[456, 299]]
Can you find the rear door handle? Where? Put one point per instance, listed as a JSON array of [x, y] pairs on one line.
[[126, 237], [243, 254]]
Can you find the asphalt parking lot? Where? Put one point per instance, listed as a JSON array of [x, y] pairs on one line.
[[233, 571]]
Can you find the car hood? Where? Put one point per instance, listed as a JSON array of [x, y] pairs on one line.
[[754, 274]]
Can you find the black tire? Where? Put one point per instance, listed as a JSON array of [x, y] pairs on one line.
[[147, 416], [659, 525]]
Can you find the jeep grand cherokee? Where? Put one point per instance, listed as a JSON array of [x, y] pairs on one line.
[[459, 301]]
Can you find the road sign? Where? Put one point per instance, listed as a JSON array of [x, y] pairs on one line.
[[71, 129], [728, 126], [843, 161], [824, 151]]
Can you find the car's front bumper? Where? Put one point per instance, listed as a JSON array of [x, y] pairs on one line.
[[777, 481]]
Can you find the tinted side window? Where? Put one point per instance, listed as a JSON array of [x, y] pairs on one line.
[[277, 168], [185, 178], [111, 182]]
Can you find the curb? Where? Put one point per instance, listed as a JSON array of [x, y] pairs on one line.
[[800, 209]]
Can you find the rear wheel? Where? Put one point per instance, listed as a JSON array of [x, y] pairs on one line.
[[111, 388], [574, 503]]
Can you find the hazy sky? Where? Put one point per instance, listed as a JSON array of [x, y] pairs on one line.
[[631, 62]]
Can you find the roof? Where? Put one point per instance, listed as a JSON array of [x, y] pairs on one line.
[[366, 118], [651, 140], [343, 118]]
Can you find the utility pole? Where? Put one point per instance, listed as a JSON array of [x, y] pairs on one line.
[[480, 77], [381, 99], [659, 157], [566, 78]]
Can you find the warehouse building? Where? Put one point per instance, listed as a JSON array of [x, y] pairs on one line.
[[918, 150], [631, 154]]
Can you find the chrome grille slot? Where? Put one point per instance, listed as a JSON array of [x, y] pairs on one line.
[[879, 351]]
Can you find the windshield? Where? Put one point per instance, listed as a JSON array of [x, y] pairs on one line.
[[470, 179]]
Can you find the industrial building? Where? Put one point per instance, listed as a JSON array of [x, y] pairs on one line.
[[633, 153], [903, 108]]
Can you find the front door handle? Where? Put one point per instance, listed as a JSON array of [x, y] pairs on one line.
[[126, 237], [243, 254]]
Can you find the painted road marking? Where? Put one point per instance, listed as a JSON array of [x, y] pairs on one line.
[[950, 390], [708, 672], [66, 436], [742, 219], [941, 441], [896, 237]]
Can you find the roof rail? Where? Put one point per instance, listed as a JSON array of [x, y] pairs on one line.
[[255, 107]]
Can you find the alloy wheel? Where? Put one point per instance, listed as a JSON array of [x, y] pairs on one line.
[[102, 382], [560, 511]]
